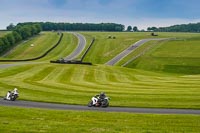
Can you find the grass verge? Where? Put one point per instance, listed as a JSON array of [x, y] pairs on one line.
[[40, 120]]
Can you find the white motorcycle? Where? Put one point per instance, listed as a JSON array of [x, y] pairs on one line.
[[98, 102], [12, 97]]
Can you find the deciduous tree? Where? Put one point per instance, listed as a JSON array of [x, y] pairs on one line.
[[129, 28]]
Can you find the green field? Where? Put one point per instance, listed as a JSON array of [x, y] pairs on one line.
[[66, 46], [105, 49], [167, 75], [41, 43], [176, 56], [75, 84], [39, 120]]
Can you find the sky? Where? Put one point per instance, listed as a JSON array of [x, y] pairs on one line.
[[140, 13]]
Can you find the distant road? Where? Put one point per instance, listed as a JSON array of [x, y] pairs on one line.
[[80, 47], [29, 104], [129, 50], [7, 65], [17, 64]]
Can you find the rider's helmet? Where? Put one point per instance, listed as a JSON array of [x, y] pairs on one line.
[[102, 94], [15, 89]]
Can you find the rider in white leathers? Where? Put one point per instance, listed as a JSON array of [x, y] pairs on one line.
[[9, 93], [97, 97], [15, 91]]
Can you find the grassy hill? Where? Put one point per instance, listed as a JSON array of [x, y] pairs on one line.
[[105, 49], [33, 47], [42, 43], [169, 56], [75, 84], [177, 56], [66, 46], [142, 83]]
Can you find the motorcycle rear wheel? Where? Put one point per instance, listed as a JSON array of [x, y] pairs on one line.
[[105, 103]]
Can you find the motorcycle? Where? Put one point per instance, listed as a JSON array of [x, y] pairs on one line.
[[12, 96], [99, 102]]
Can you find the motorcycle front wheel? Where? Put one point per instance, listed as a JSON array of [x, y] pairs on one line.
[[90, 103]]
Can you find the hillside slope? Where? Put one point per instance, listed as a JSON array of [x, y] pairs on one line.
[[177, 56], [76, 84]]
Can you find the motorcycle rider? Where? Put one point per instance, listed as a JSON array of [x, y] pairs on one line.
[[102, 95], [99, 97], [95, 99], [10, 93], [15, 91]]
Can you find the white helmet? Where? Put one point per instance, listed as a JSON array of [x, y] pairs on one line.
[[15, 89]]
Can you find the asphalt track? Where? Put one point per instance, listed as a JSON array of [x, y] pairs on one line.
[[7, 65], [30, 104], [2, 66], [80, 47], [130, 49]]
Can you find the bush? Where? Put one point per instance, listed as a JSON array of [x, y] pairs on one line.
[[109, 37]]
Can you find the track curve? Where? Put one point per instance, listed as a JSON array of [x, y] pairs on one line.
[[54, 106], [80, 47]]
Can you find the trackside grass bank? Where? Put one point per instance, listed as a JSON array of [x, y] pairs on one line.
[[40, 120], [175, 56], [76, 84], [137, 86], [33, 47]]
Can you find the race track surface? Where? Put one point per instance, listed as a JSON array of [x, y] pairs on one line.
[[79, 48], [29, 104], [129, 50], [7, 65]]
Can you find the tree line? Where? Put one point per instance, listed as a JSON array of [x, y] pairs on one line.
[[50, 26], [23, 31], [18, 33], [192, 27], [134, 28]]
